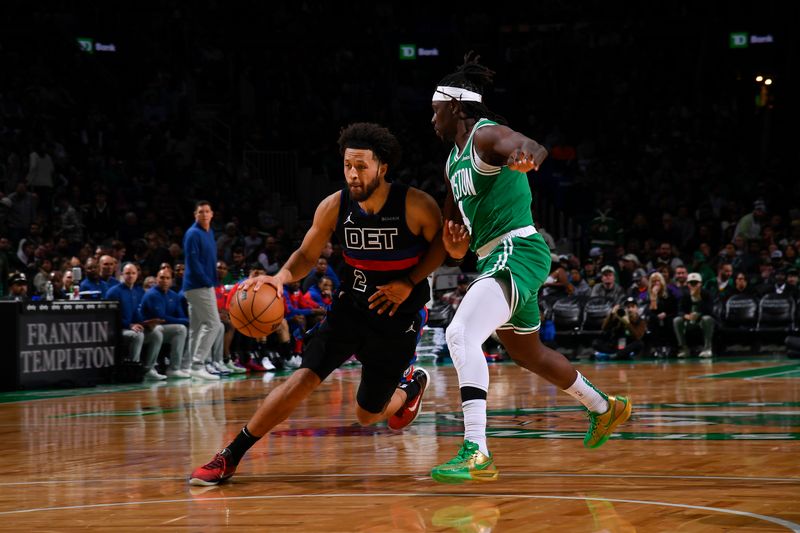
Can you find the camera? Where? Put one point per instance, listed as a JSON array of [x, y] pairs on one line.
[[620, 312]]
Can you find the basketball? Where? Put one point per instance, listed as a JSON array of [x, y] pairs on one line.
[[256, 313]]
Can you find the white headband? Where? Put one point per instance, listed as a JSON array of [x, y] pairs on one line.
[[445, 94]]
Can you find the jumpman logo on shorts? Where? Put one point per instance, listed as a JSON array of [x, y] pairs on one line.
[[348, 219], [411, 329]]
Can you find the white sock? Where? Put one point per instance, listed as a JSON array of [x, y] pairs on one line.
[[475, 423], [586, 393]]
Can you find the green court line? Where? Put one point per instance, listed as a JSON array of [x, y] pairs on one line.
[[784, 371]]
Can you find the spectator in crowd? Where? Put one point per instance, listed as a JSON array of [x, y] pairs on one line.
[[43, 276], [763, 281], [161, 302], [721, 287], [40, 174], [269, 256], [664, 256], [178, 273], [322, 293], [58, 286], [148, 283], [321, 269], [224, 275], [70, 226], [792, 278], [99, 218], [678, 285], [694, 312], [623, 331], [557, 284], [628, 265], [740, 285], [198, 287], [238, 266], [608, 287], [68, 282], [228, 240], [582, 289], [17, 287], [640, 290], [780, 285], [661, 309], [590, 273], [93, 287], [453, 298], [108, 265], [749, 225], [118, 251], [252, 243], [22, 211], [141, 333]]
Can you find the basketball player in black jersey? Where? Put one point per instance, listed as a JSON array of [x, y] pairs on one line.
[[390, 235]]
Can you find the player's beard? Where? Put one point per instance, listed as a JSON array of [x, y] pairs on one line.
[[366, 190]]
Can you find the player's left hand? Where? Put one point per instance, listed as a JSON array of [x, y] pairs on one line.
[[522, 161], [390, 296]]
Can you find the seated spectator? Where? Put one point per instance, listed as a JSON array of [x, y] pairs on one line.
[[92, 285], [322, 293], [721, 287], [108, 267], [321, 269], [623, 331], [740, 285], [780, 285], [640, 288], [792, 278], [582, 289], [557, 284], [238, 266], [628, 265], [661, 310], [68, 284], [694, 312], [664, 256], [17, 287], [608, 286], [139, 332], [178, 271], [161, 302], [148, 283], [590, 273], [43, 276], [678, 285], [58, 286]]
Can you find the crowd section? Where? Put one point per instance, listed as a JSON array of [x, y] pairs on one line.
[[687, 236]]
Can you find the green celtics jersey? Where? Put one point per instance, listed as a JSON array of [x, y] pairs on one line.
[[492, 200]]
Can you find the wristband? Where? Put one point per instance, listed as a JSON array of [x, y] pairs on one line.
[[451, 261]]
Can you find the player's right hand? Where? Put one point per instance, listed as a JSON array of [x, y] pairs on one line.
[[256, 283]]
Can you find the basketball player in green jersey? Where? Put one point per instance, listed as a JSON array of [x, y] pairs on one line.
[[486, 171]]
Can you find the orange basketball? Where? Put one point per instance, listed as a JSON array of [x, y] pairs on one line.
[[256, 313]]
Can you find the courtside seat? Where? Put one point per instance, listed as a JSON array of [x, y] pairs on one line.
[[776, 313], [567, 315], [595, 311]]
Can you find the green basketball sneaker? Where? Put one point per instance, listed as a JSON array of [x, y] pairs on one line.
[[601, 425], [468, 465]]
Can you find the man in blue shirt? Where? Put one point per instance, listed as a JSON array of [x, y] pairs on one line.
[[199, 280], [92, 286], [163, 303], [138, 331]]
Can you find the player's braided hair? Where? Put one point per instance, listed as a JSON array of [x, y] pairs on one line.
[[370, 136], [475, 77]]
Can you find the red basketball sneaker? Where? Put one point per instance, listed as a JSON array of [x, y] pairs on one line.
[[413, 407], [218, 470]]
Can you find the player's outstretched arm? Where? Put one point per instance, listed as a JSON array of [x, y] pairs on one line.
[[500, 145], [305, 257]]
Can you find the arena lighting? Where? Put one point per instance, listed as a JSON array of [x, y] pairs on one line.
[[759, 78], [768, 81]]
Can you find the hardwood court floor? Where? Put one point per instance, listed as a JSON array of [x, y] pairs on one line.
[[701, 453]]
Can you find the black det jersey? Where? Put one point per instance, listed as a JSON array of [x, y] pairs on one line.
[[379, 248]]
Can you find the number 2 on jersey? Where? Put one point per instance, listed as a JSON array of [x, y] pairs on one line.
[[359, 281]]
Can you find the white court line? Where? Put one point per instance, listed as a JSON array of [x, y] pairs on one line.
[[792, 371], [789, 480], [792, 526]]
